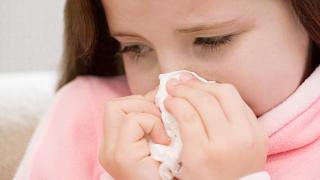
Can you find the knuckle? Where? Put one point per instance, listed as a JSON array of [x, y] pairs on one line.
[[176, 102], [110, 104], [130, 116], [229, 88], [201, 95], [192, 116], [194, 82], [186, 116], [211, 100], [109, 110], [189, 116]]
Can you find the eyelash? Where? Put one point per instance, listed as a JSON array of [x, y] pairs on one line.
[[136, 49], [206, 43], [212, 43]]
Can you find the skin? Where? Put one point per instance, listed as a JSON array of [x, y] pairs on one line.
[[259, 67], [221, 135], [266, 61]]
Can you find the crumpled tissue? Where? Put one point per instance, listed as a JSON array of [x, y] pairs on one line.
[[168, 156]]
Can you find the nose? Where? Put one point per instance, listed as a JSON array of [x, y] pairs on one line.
[[170, 61]]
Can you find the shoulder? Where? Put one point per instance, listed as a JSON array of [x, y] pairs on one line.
[[88, 94], [70, 131], [92, 88], [103, 87]]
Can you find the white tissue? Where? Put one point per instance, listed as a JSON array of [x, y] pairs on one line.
[[168, 155]]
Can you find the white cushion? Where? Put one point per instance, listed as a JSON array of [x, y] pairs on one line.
[[24, 97]]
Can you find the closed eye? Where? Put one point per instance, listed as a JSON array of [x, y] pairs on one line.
[[136, 49], [212, 43]]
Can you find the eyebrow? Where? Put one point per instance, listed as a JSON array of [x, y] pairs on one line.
[[192, 29], [127, 34], [204, 27]]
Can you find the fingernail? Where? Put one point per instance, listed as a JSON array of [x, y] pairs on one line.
[[173, 82], [186, 76]]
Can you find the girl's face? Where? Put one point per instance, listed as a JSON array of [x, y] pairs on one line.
[[258, 46]]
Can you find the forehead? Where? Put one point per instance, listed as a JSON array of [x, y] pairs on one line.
[[139, 14]]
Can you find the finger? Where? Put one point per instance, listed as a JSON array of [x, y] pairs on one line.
[[206, 105], [230, 100], [134, 103], [224, 92], [191, 128], [136, 96], [137, 126], [150, 96], [115, 112]]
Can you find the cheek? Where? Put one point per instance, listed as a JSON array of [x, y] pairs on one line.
[[264, 91], [140, 81], [266, 75], [267, 69]]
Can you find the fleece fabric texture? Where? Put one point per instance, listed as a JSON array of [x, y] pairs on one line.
[[66, 143]]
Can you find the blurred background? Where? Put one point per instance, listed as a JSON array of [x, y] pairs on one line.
[[31, 39]]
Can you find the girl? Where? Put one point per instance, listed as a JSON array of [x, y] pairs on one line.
[[262, 115]]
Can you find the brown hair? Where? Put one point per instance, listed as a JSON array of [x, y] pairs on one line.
[[90, 50]]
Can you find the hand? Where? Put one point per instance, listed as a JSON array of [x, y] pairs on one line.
[[128, 121], [221, 136]]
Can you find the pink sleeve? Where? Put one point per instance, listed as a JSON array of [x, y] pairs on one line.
[[65, 144]]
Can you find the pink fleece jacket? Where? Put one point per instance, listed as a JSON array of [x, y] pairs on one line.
[[66, 143]]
